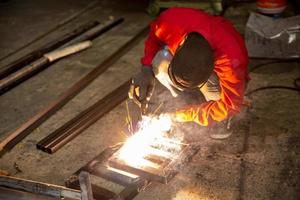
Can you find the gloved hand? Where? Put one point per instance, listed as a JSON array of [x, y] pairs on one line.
[[142, 87]]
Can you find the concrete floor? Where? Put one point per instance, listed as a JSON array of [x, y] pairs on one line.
[[259, 161]]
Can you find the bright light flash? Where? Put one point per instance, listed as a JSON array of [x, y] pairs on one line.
[[151, 131]]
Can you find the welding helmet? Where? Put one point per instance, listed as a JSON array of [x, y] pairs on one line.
[[160, 68], [192, 63]]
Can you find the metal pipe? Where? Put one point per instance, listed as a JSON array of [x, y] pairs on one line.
[[27, 71], [35, 54], [82, 121], [25, 129], [95, 32]]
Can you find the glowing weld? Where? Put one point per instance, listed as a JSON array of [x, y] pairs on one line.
[[150, 136]]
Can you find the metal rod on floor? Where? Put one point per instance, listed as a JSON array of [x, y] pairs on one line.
[[95, 32], [25, 129], [60, 24], [82, 121], [27, 71], [26, 59]]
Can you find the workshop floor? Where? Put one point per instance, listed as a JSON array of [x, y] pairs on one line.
[[261, 160]]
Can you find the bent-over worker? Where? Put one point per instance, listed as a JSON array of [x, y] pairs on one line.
[[188, 49]]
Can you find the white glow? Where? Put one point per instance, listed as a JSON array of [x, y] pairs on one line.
[[151, 132]]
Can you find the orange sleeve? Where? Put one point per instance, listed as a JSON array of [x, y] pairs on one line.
[[152, 46], [232, 77]]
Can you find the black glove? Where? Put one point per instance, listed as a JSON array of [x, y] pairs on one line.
[[142, 87]]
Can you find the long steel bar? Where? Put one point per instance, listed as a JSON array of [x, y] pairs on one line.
[[78, 124], [104, 108], [92, 5], [38, 65], [21, 62], [16, 136], [39, 187], [95, 31], [22, 74]]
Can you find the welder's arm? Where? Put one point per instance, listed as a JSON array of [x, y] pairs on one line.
[[152, 46], [232, 84], [143, 83]]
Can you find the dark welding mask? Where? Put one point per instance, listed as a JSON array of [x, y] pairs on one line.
[[192, 63]]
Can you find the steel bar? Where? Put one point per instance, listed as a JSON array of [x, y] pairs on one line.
[[95, 31], [39, 187], [146, 172], [132, 186], [23, 61], [13, 194], [85, 186], [97, 166], [22, 74], [28, 71], [132, 190], [60, 24], [26, 128], [99, 193], [78, 124]]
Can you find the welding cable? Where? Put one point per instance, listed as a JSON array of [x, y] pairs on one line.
[[296, 83], [273, 87], [255, 67]]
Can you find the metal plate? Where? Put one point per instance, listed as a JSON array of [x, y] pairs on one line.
[[167, 167]]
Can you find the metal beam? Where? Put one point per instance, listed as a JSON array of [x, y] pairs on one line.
[[39, 187], [82, 121], [23, 61], [43, 61], [26, 72], [132, 185], [85, 186], [25, 129]]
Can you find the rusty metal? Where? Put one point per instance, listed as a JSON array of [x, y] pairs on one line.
[[95, 32], [85, 186], [40, 188], [22, 74], [132, 185], [23, 61], [13, 79], [133, 181], [25, 129], [82, 121]]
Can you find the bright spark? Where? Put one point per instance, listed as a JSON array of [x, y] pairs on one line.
[[151, 132]]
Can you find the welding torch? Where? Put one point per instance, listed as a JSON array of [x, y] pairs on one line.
[[133, 94], [141, 88]]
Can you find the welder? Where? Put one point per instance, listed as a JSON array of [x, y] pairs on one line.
[[187, 50]]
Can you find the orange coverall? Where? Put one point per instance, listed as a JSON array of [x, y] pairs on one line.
[[231, 58]]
